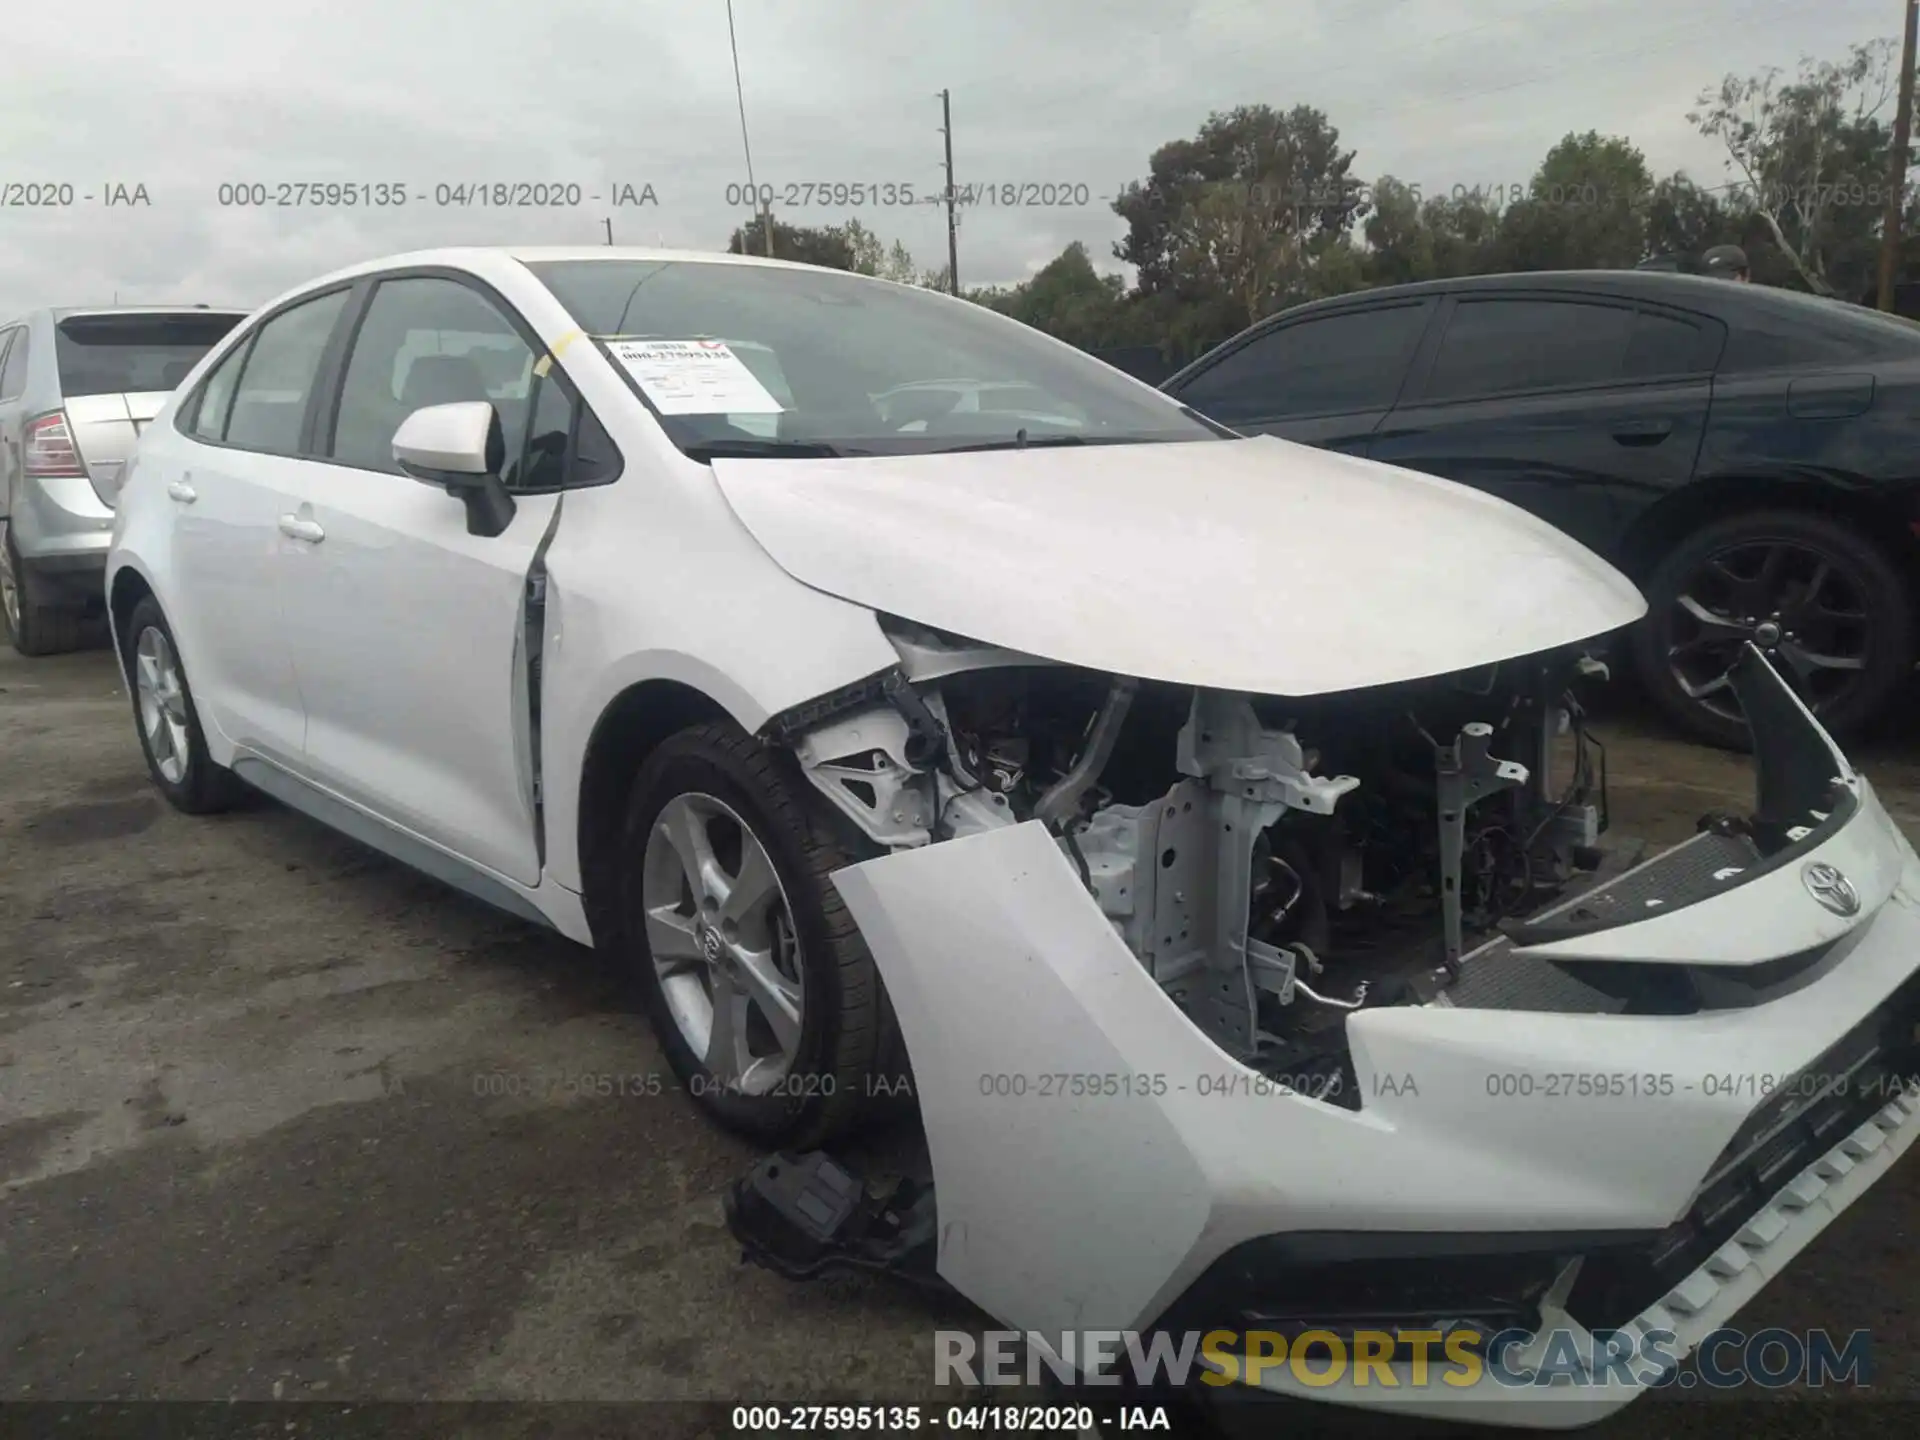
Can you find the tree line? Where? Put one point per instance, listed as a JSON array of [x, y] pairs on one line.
[[1263, 209]]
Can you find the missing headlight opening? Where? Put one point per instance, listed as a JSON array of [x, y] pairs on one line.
[[1273, 863]]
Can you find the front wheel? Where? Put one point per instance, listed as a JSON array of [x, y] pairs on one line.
[[757, 981], [1825, 603]]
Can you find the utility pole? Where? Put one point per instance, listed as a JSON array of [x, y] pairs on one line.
[[1897, 182], [953, 233], [740, 96]]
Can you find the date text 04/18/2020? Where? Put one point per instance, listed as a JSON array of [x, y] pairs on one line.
[[443, 194], [886, 195], [920, 1419]]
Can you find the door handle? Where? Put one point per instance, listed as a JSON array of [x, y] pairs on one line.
[[181, 491], [295, 528], [1642, 432]]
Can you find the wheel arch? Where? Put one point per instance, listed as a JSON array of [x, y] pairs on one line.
[[628, 729], [1884, 520], [127, 586]]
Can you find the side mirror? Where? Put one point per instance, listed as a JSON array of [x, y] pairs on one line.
[[460, 449]]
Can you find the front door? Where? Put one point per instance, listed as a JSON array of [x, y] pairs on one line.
[[405, 630]]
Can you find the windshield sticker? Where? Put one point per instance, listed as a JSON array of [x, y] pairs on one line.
[[694, 377]]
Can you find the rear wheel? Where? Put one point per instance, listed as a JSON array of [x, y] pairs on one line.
[[36, 628], [759, 985], [164, 715], [1825, 603]]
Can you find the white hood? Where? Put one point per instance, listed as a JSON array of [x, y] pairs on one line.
[[1255, 565]]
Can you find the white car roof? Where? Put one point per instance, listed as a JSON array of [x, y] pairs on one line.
[[468, 257], [485, 260]]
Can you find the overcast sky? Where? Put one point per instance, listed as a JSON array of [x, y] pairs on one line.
[[183, 97]]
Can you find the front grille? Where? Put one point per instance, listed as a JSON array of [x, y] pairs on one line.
[[1806, 1105], [1807, 1115], [1702, 868]]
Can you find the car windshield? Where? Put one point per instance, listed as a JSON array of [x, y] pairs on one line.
[[769, 360], [128, 354]]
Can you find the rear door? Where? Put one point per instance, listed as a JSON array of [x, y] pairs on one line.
[[1580, 409], [405, 630], [1327, 378], [116, 369], [229, 479]]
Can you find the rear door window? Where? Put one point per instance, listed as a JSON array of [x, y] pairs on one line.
[[1501, 346], [1669, 345], [270, 406], [130, 354]]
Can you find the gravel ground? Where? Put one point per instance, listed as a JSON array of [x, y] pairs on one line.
[[282, 1120]]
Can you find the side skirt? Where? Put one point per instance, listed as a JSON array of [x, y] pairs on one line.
[[415, 853]]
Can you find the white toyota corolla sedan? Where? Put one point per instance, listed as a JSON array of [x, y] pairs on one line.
[[1205, 825]]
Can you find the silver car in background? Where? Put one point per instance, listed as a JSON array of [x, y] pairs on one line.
[[76, 388]]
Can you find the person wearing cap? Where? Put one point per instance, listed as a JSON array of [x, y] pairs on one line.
[[1727, 262]]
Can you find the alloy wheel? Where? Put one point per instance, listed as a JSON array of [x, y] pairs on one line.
[[723, 943], [163, 703], [1804, 608]]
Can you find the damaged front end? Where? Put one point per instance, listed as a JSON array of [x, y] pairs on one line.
[[1253, 1012], [1271, 864]]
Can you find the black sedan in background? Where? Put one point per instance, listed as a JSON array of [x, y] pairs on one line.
[[1749, 456]]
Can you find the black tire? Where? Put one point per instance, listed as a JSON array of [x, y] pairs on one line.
[[205, 788], [41, 629], [836, 1082], [1864, 568]]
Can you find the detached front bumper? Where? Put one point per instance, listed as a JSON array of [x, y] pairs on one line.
[[1099, 1163], [1637, 1303], [1577, 1373]]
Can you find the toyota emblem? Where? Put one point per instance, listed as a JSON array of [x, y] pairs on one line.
[[1832, 889]]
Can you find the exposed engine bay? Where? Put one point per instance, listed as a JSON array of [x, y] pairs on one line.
[[1273, 863]]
